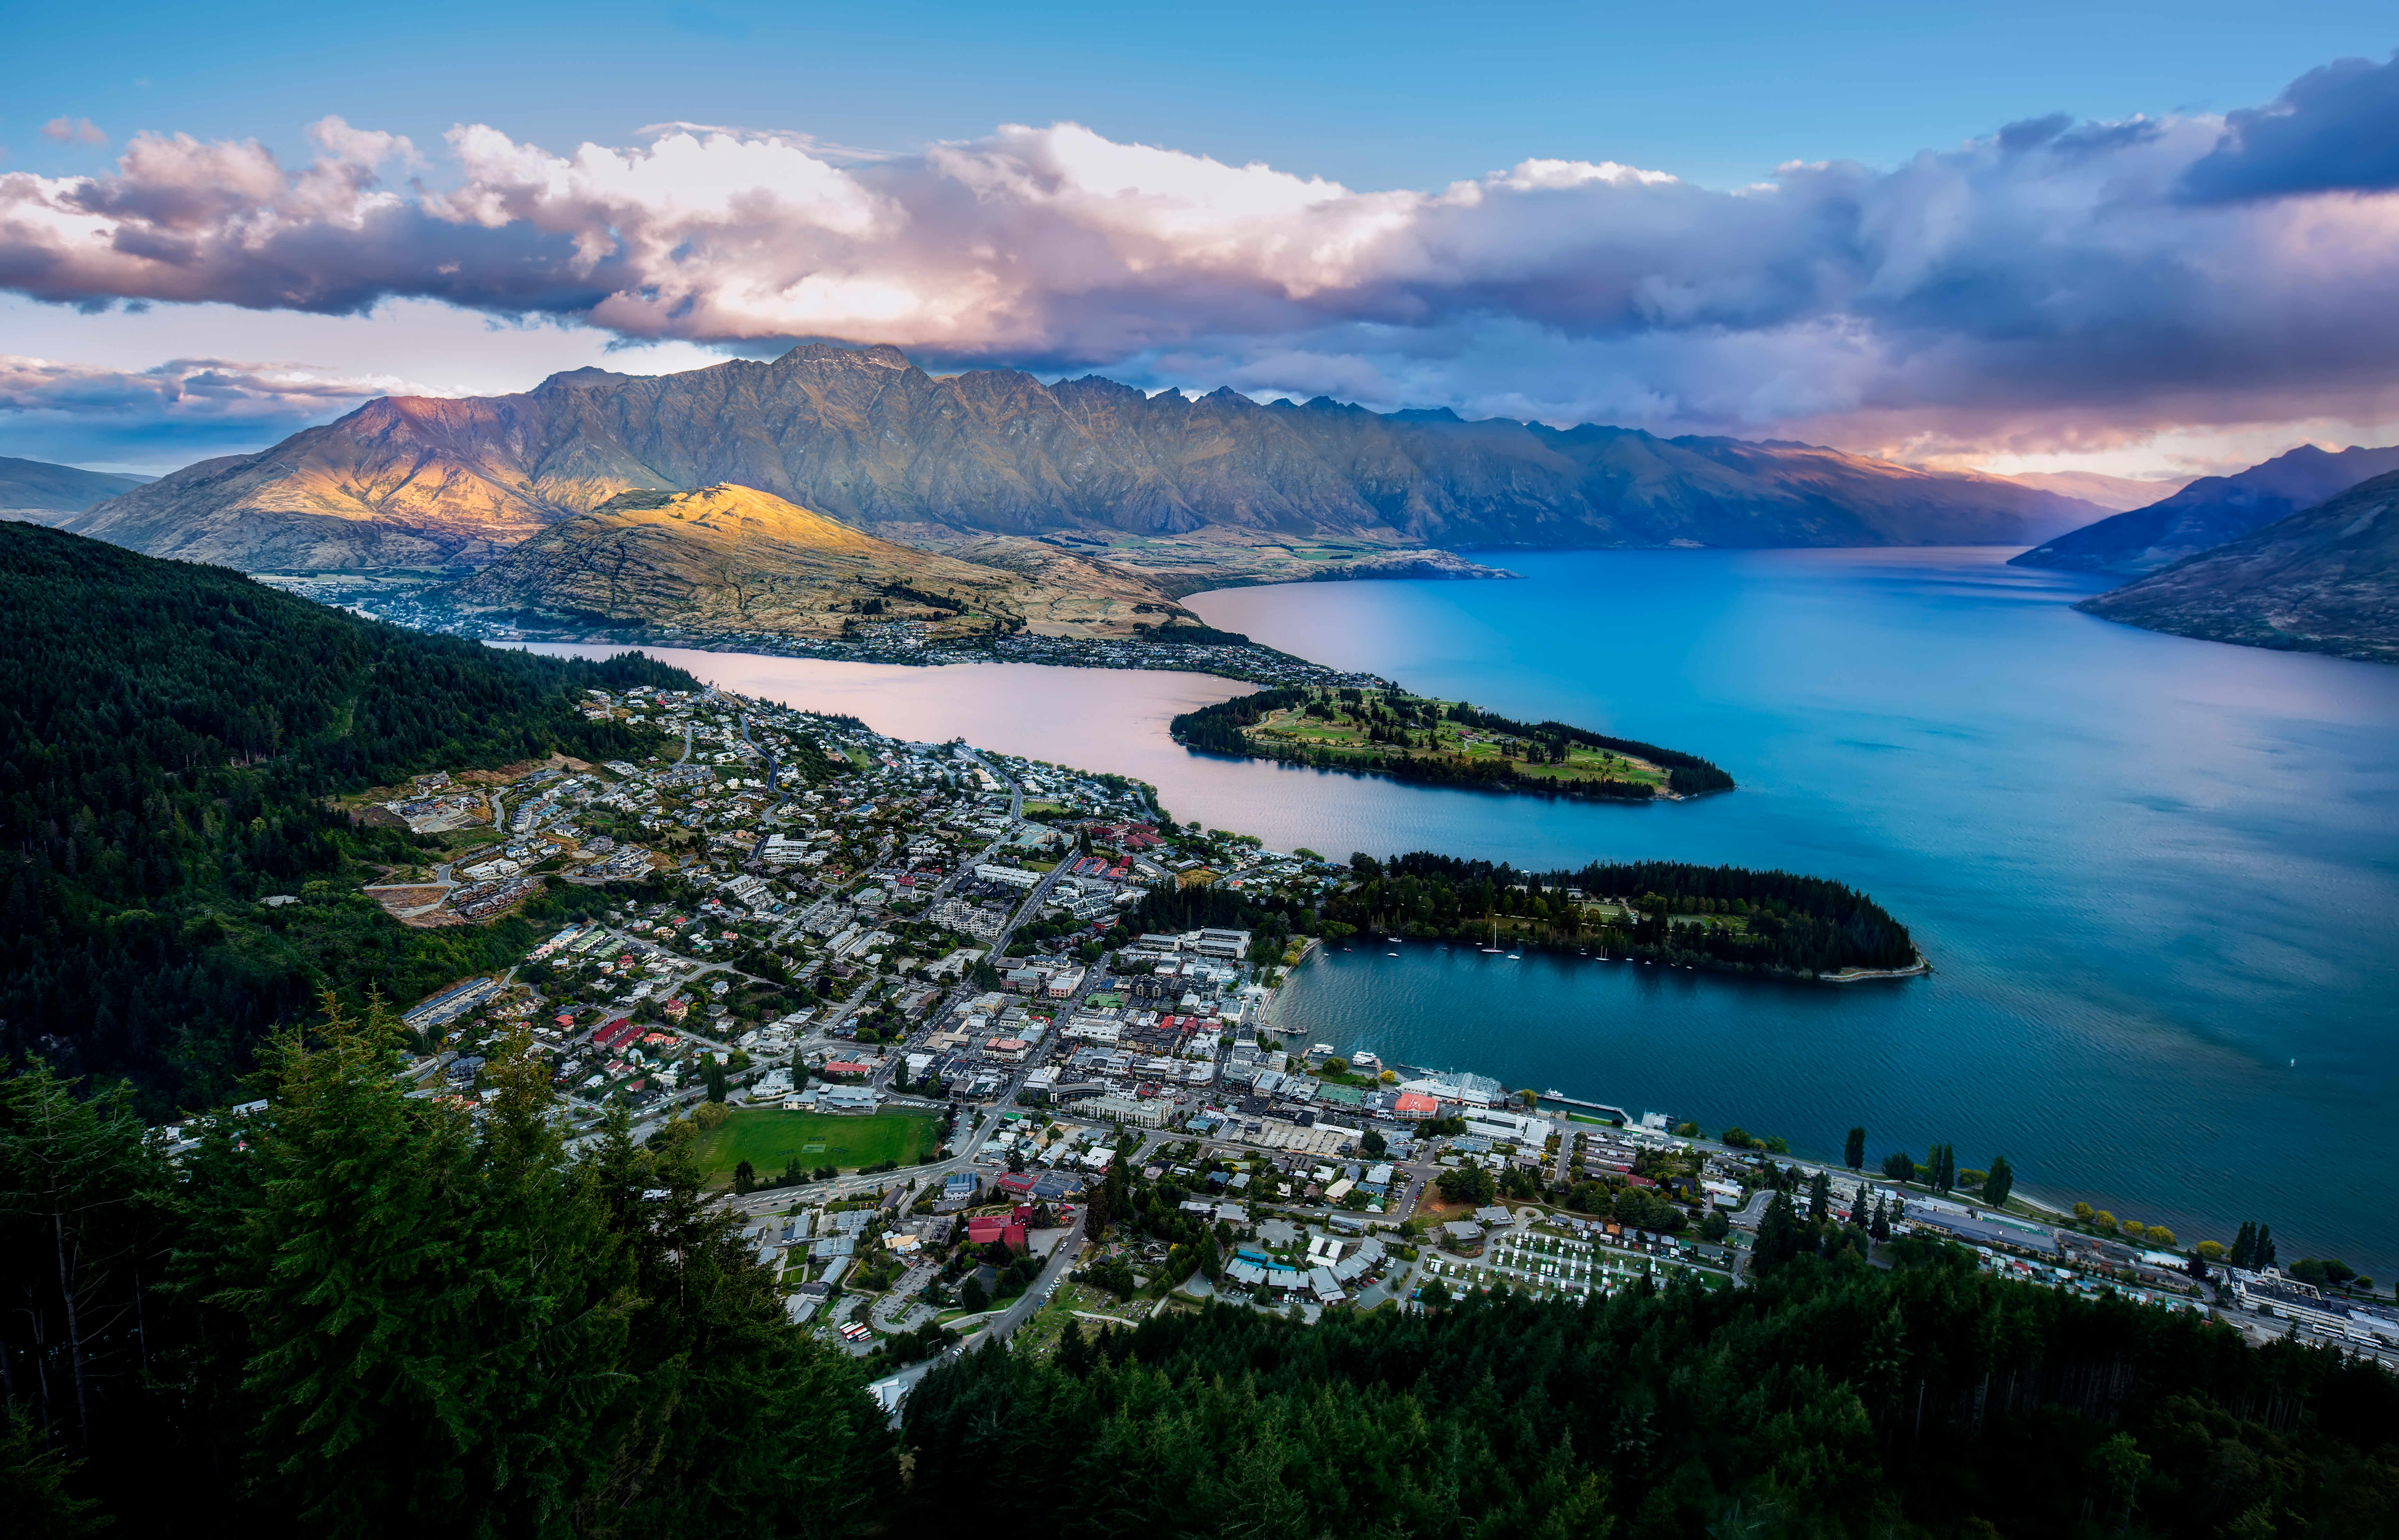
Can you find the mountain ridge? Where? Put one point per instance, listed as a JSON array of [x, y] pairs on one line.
[[39, 491], [2324, 580], [2210, 511], [867, 438]]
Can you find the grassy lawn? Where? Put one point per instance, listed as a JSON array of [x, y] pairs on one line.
[[1348, 736], [769, 1139]]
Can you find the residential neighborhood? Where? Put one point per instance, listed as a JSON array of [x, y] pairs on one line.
[[954, 1088]]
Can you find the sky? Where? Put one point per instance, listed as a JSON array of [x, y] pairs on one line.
[[2143, 239]]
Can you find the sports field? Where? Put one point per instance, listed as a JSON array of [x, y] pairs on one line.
[[770, 1138]]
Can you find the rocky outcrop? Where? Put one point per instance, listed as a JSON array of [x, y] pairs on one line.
[[2325, 580], [2210, 511], [864, 437]]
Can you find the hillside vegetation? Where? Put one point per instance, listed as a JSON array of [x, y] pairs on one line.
[[170, 736]]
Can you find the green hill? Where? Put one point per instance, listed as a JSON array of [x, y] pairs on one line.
[[169, 738]]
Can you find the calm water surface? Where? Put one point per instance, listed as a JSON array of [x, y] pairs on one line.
[[2151, 872]]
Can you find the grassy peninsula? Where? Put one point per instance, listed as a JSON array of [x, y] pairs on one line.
[[1413, 737]]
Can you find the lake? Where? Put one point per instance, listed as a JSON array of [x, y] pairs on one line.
[[2159, 879]]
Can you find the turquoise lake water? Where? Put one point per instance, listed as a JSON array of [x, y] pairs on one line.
[[2158, 878]]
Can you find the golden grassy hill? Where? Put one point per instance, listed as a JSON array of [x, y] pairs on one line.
[[734, 558]]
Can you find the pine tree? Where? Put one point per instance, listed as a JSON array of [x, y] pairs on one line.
[[1820, 1198], [1778, 1236], [1854, 1150], [1999, 1182], [1880, 1228], [2244, 1244], [2262, 1255]]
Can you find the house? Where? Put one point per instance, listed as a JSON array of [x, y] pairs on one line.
[[960, 1184], [1415, 1106], [984, 1229], [1016, 1184], [1463, 1237]]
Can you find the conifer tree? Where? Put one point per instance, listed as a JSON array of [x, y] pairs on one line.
[[1999, 1182], [1854, 1150], [1820, 1198], [2244, 1244]]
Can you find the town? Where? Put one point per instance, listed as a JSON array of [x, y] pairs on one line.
[[907, 999]]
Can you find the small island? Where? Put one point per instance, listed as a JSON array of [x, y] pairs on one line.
[[1411, 738]]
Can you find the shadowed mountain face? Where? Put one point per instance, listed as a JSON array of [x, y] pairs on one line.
[[868, 439], [40, 492], [2322, 581], [2210, 511]]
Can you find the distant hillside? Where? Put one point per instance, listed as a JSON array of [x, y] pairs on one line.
[[866, 438], [730, 558], [172, 736], [2210, 511], [2116, 493], [2322, 581], [40, 493]]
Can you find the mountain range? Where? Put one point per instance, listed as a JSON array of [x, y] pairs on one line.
[[867, 438], [40, 493], [2324, 579], [2210, 511]]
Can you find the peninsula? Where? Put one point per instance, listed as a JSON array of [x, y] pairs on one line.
[[1410, 738]]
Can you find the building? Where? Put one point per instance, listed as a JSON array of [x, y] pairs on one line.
[[451, 1004], [1415, 1106], [1126, 1108]]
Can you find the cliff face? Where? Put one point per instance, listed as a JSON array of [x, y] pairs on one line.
[[2210, 511], [867, 438], [2325, 580], [731, 557]]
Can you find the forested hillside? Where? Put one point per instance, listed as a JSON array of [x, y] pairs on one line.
[[1828, 1400], [356, 1314], [169, 736]]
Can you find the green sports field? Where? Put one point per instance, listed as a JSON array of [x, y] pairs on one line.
[[769, 1139]]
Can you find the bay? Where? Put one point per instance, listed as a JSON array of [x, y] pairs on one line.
[[2159, 879]]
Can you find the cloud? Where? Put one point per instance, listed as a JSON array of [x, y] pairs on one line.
[[73, 131], [54, 410], [2334, 130], [2051, 285]]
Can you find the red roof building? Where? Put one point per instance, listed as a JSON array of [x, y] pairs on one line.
[[1016, 1183], [1416, 1104], [991, 1227]]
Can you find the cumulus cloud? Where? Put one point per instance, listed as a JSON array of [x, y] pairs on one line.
[[2052, 284], [2334, 129]]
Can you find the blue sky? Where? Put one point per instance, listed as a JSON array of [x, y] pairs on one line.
[[1946, 332], [1370, 95]]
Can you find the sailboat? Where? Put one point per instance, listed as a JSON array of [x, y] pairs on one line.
[[1494, 948]]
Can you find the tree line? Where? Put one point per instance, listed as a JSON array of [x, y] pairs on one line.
[[352, 1312], [170, 736], [1787, 923], [1830, 1398]]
